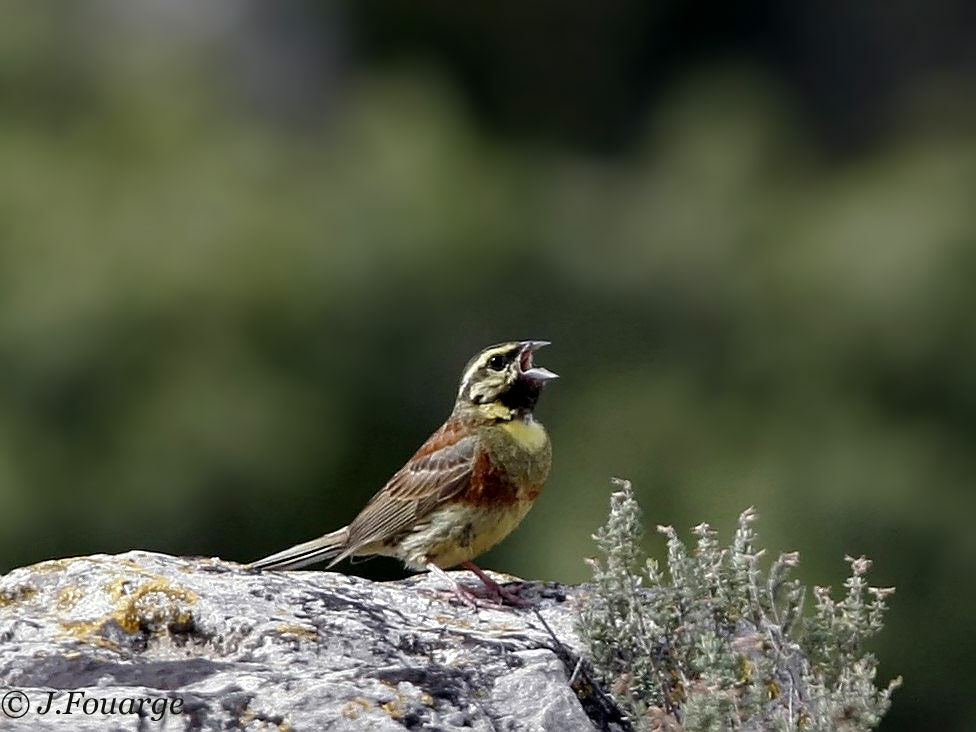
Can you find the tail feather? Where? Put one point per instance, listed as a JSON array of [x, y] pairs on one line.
[[325, 547]]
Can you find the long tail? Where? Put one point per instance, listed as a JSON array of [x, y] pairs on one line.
[[301, 555]]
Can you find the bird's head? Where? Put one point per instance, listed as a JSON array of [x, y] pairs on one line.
[[502, 381]]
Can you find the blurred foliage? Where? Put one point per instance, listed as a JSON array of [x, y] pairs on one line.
[[244, 255]]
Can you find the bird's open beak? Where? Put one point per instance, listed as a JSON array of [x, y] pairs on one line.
[[535, 373]]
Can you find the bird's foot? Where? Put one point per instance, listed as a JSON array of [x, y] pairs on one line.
[[502, 594], [473, 599], [494, 596]]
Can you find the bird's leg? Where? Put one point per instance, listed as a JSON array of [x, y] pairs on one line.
[[461, 592], [503, 593]]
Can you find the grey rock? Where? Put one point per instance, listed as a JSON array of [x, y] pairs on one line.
[[210, 645]]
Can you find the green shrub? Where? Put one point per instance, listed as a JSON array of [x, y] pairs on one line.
[[718, 643]]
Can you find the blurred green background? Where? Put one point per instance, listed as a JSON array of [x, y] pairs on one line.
[[246, 248]]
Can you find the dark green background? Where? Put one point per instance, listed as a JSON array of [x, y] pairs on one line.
[[246, 248]]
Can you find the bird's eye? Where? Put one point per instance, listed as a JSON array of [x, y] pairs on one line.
[[496, 362]]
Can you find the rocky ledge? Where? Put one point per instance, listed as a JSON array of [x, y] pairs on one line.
[[143, 641]]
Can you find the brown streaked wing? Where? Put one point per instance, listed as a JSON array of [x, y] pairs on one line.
[[441, 468]]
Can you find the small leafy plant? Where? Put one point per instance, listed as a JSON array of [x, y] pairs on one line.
[[720, 644]]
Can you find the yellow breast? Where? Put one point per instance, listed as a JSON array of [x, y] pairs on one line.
[[528, 433]]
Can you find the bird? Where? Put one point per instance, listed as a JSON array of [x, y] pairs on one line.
[[464, 490]]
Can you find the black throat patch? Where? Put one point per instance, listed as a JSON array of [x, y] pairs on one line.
[[522, 395]]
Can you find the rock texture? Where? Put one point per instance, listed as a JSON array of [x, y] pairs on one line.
[[209, 645]]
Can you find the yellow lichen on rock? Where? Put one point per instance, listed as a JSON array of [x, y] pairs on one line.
[[150, 605]]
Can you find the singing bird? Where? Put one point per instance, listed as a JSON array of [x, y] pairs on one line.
[[467, 487]]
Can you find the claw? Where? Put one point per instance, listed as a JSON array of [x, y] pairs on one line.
[[502, 596], [502, 593]]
